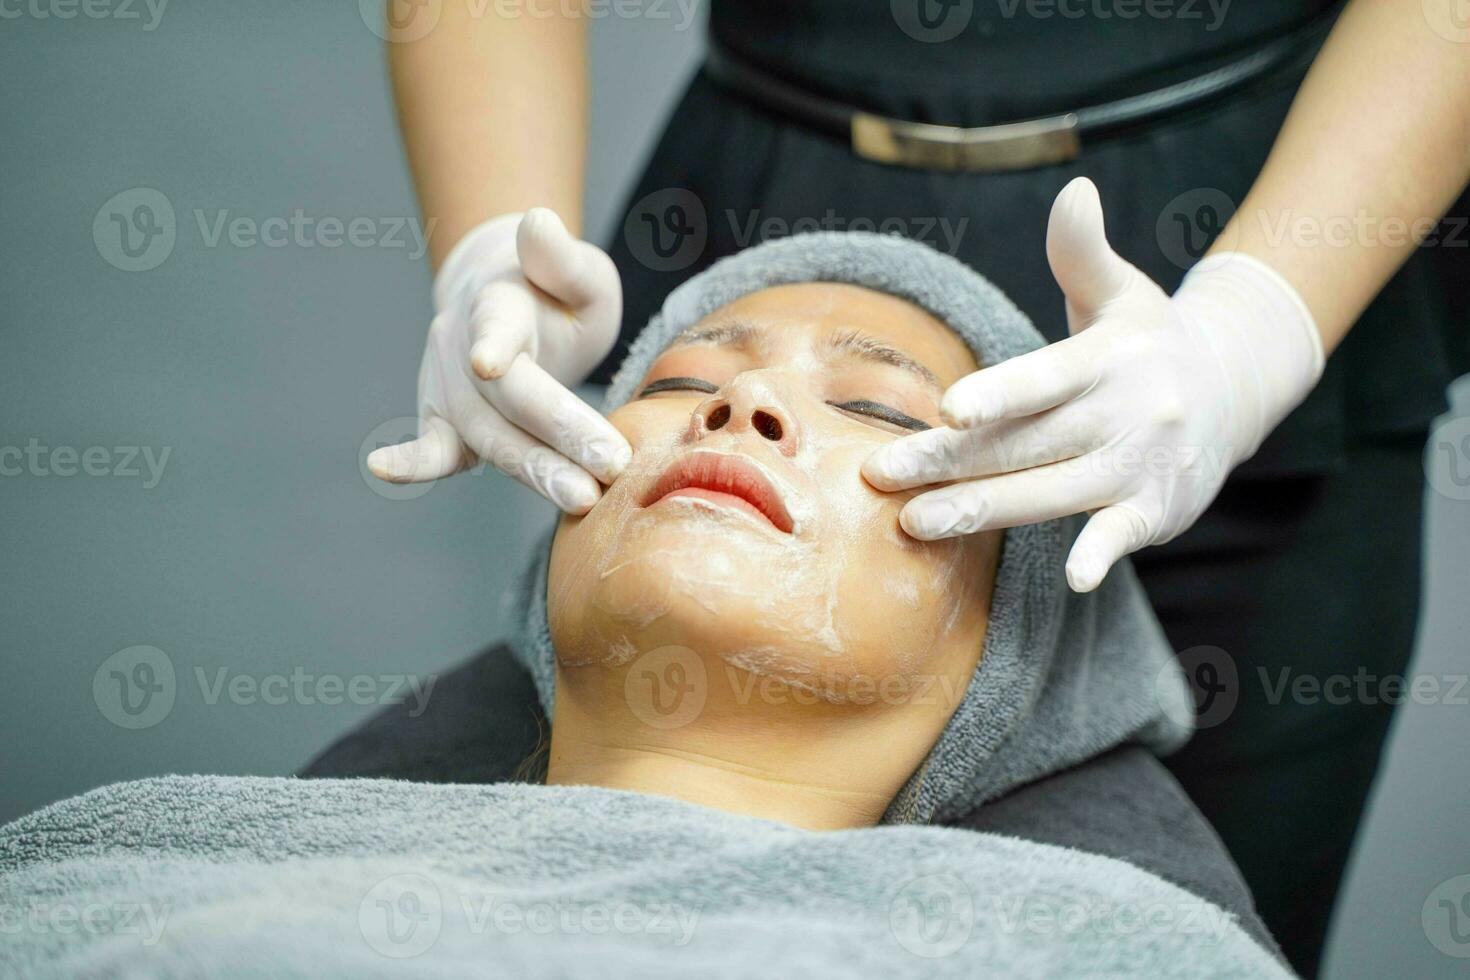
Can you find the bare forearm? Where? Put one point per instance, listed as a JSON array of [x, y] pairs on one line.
[[1375, 148], [493, 107]]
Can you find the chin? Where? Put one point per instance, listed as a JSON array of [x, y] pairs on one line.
[[743, 602], [681, 571]]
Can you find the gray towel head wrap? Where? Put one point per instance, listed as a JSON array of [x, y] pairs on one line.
[[1063, 677]]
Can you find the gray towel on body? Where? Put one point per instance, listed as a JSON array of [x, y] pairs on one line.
[[247, 876]]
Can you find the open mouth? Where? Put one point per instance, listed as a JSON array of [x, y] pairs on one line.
[[725, 481]]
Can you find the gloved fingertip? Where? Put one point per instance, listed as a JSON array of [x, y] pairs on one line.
[[541, 225], [968, 409], [913, 524], [621, 458], [606, 457], [1079, 191], [380, 463], [875, 470], [580, 504], [574, 495], [956, 419], [1085, 574], [930, 521], [486, 365], [542, 218]]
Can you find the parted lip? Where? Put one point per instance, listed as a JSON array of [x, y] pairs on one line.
[[722, 478]]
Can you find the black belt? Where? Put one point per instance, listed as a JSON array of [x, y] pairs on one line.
[[1021, 145]]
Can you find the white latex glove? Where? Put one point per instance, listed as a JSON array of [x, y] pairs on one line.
[[1137, 417], [522, 311]]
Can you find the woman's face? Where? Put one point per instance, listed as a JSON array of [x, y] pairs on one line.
[[743, 529]]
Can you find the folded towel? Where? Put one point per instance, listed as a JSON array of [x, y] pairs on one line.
[[229, 876]]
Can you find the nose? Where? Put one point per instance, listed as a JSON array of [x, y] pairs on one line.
[[742, 407]]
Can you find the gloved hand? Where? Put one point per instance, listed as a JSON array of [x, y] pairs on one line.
[[1138, 416], [522, 311]]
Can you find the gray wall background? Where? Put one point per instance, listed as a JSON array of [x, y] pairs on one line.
[[263, 372]]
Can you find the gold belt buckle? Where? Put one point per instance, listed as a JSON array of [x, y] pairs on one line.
[[983, 149]]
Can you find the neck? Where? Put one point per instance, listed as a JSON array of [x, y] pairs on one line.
[[732, 785], [819, 766]]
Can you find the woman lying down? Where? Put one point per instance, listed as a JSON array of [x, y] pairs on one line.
[[785, 738]]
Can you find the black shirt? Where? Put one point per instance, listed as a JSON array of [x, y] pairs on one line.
[[995, 60]]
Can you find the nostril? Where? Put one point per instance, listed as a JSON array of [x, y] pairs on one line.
[[767, 425], [717, 418]]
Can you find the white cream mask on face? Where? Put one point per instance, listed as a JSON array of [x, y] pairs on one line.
[[777, 603]]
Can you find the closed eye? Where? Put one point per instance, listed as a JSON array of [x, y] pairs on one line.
[[862, 406], [679, 384], [883, 413]]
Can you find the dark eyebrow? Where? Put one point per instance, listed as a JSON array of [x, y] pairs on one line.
[[732, 333], [852, 342]]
